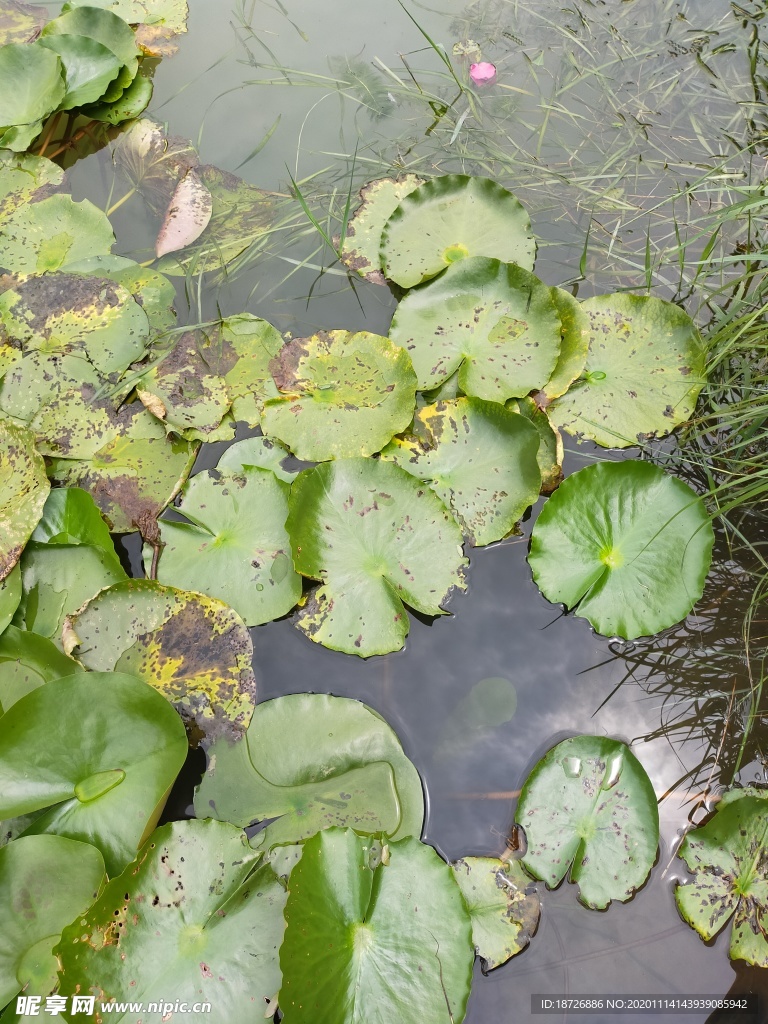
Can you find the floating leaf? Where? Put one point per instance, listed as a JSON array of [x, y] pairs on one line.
[[20, 137], [360, 938], [503, 906], [380, 199], [727, 856], [132, 102], [88, 67], [24, 179], [624, 544], [261, 452], [23, 490], [187, 216], [157, 21], [10, 595], [313, 761], [45, 882], [97, 753], [377, 540], [50, 234], [102, 26], [20, 22], [31, 84], [248, 346], [550, 454], [644, 372], [342, 394], [589, 805], [448, 219], [71, 516], [479, 458], [155, 294], [574, 346], [28, 661], [153, 162], [493, 322], [191, 648], [193, 918]]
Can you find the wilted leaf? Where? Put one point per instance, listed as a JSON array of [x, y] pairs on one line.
[[187, 216], [193, 649], [155, 294], [380, 199], [28, 661], [23, 490], [20, 22], [26, 179], [48, 235], [153, 162]]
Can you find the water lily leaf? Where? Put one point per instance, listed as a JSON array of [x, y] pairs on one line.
[[574, 346], [45, 236], [157, 21], [20, 137], [54, 880], [132, 102], [28, 661], [193, 649], [153, 162], [31, 84], [644, 372], [303, 763], [341, 394], [258, 451], [10, 595], [124, 460], [71, 516], [377, 540], [20, 22], [550, 455], [379, 200], [23, 490], [88, 67], [187, 216], [24, 179], [625, 545], [589, 805], [189, 920], [493, 322], [479, 458], [450, 218], [503, 906], [102, 26], [360, 938], [97, 753], [727, 856], [248, 345], [234, 545], [155, 294]]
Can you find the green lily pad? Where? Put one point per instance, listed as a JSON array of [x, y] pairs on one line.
[[155, 294], [574, 346], [644, 372], [448, 219], [624, 544], [25, 178], [342, 394], [48, 235], [360, 938], [97, 753], [494, 322], [314, 761], [234, 546], [71, 516], [479, 458], [100, 25], [588, 805], [248, 346], [157, 21], [20, 22], [550, 455], [31, 84], [88, 67], [727, 857], [10, 595], [20, 137], [129, 105], [377, 540], [45, 882], [262, 452], [503, 906], [379, 200], [193, 649], [23, 490], [28, 661], [193, 919]]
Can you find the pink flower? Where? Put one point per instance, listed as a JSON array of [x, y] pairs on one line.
[[482, 73]]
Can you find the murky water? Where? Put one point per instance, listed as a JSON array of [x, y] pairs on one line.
[[603, 120]]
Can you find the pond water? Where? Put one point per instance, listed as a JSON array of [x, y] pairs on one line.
[[622, 127]]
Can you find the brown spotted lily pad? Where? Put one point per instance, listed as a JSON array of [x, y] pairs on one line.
[[379, 200], [23, 490], [25, 178], [195, 650], [20, 22], [156, 21]]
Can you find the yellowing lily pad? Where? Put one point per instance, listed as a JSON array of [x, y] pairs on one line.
[[50, 234], [24, 178], [380, 199], [20, 22], [23, 490]]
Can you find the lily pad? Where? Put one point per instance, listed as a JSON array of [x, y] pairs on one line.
[[362, 938], [71, 516], [102, 26], [193, 649], [624, 544], [25, 178], [132, 102], [48, 235], [96, 753], [155, 294], [379, 200], [644, 372], [153, 162], [727, 857], [88, 67], [248, 345], [479, 458], [234, 545], [20, 22], [192, 919], [28, 661], [31, 84], [10, 595], [550, 455], [503, 906], [450, 218], [342, 394], [313, 761], [262, 452], [157, 21], [574, 346], [23, 490], [378, 540], [588, 805], [45, 882], [494, 322]]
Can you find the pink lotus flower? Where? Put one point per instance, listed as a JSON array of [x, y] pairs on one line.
[[482, 73]]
